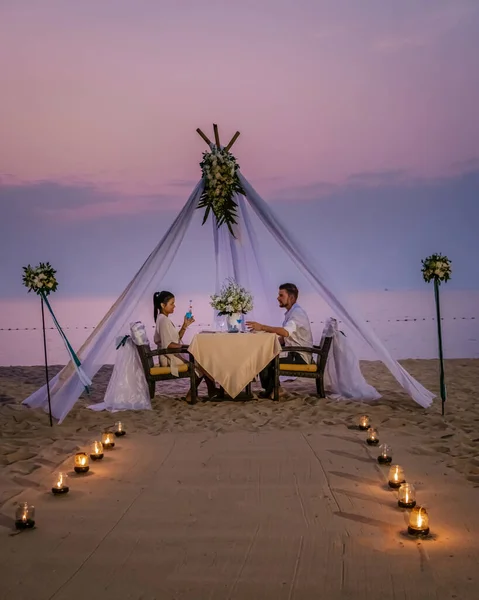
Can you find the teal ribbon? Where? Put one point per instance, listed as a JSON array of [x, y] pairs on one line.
[[122, 342], [76, 361]]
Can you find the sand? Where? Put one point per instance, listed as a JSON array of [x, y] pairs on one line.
[[30, 450]]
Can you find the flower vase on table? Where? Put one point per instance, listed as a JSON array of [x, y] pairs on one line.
[[234, 323]]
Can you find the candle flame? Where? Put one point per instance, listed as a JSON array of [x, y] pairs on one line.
[[60, 481], [82, 461], [406, 498]]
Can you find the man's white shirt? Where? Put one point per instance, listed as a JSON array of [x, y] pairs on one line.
[[296, 322]]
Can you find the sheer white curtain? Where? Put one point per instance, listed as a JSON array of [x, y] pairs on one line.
[[235, 257], [325, 287], [99, 348]]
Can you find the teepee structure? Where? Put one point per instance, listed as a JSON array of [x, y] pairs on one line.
[[232, 204]]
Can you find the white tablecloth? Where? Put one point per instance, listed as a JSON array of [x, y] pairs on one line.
[[234, 359]]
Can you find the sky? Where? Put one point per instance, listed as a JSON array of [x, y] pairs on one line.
[[358, 125]]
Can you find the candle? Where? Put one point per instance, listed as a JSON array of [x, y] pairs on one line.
[[119, 431], [25, 516], [385, 457], [107, 440], [396, 476], [363, 422], [81, 462], [418, 521], [96, 451], [60, 484], [407, 496], [373, 437]]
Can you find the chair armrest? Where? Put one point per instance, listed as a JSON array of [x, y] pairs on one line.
[[165, 351], [309, 350]]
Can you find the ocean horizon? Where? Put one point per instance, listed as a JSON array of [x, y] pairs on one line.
[[404, 320]]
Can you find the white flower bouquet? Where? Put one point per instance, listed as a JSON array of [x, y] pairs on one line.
[[436, 267], [41, 279], [232, 299], [220, 177]]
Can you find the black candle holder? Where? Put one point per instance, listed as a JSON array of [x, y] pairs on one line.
[[60, 491], [396, 484], [97, 456], [120, 433], [418, 532], [411, 504], [24, 524], [81, 469], [384, 460], [372, 442]]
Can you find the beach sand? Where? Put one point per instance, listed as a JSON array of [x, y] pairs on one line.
[[282, 499], [30, 448]]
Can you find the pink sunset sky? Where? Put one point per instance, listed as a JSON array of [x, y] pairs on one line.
[[336, 100]]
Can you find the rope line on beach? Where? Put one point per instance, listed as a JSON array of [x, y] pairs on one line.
[[209, 324]]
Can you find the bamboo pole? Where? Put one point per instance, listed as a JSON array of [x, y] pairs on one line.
[[442, 383], [201, 134], [217, 136], [233, 140], [46, 365]]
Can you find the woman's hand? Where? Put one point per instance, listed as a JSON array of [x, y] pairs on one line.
[[187, 322]]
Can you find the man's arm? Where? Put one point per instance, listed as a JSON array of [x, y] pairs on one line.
[[254, 326]]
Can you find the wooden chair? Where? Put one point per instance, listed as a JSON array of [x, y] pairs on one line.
[[314, 370], [154, 373]]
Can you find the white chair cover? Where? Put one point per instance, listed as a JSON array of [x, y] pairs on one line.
[[127, 389], [343, 373]]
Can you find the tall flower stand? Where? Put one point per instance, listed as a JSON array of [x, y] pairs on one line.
[[46, 362], [442, 383]]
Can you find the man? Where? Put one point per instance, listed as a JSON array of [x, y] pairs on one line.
[[295, 331]]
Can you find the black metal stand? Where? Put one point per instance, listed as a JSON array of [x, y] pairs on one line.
[[442, 382], [46, 364]]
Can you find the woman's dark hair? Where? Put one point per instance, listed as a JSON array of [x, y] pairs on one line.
[[160, 298]]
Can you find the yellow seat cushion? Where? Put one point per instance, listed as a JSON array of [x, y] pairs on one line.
[[167, 370], [298, 367]]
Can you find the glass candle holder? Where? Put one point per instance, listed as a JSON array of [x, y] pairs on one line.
[[363, 422], [96, 451], [407, 496], [373, 437], [418, 521], [81, 462], [385, 457], [25, 516], [119, 430], [396, 476], [108, 440], [60, 484]]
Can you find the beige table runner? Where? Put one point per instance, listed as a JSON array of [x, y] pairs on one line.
[[234, 359]]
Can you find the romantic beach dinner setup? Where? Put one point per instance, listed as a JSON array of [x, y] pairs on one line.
[[295, 471]]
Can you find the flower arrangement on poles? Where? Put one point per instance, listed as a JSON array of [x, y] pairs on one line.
[[438, 268], [220, 178], [42, 281]]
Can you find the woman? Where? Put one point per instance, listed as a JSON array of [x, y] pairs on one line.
[[167, 336]]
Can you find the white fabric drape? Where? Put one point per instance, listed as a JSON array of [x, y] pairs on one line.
[[326, 290], [99, 347], [235, 258], [343, 373]]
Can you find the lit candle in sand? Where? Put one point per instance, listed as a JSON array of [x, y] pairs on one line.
[[407, 496], [363, 422], [108, 440], [385, 457], [60, 484], [96, 451], [119, 430], [81, 462], [373, 437], [25, 516], [396, 476], [418, 521]]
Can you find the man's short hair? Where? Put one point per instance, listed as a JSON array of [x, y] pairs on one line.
[[290, 288]]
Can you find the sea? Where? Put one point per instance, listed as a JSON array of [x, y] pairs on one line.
[[404, 320]]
